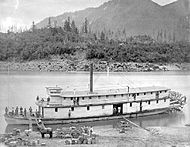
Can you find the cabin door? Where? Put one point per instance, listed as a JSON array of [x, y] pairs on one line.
[[117, 109]]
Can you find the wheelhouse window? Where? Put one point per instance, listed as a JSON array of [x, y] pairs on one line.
[[99, 97], [149, 102], [151, 93], [107, 96], [137, 94], [103, 106], [156, 101], [114, 96], [88, 108], [144, 93], [82, 98], [165, 100], [71, 98], [121, 95], [56, 109], [90, 97]]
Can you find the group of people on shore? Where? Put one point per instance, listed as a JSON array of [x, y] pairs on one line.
[[20, 111]]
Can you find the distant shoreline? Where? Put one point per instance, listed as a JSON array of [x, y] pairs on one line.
[[83, 66]]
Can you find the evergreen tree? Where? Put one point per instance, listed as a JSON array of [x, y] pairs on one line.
[[49, 22], [165, 36], [73, 27], [102, 36], [33, 26], [95, 37], [86, 26], [67, 25]]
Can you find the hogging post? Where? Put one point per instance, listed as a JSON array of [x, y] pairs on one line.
[[91, 78]]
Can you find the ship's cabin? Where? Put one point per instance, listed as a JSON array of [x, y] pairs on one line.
[[54, 90]]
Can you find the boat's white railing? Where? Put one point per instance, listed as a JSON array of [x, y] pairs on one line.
[[113, 91]]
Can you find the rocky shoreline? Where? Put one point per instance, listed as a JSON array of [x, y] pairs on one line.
[[132, 137], [83, 65]]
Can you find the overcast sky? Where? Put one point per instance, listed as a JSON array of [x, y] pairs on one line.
[[23, 12]]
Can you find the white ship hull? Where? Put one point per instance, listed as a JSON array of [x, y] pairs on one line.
[[51, 121]]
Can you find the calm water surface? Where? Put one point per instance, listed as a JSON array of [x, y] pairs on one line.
[[21, 89]]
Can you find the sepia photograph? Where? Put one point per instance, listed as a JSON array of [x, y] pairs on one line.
[[97, 73]]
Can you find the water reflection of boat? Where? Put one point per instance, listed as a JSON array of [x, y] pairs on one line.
[[61, 107]]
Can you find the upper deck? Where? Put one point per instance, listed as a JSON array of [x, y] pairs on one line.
[[57, 91], [58, 97]]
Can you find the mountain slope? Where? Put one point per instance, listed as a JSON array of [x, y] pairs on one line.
[[135, 16]]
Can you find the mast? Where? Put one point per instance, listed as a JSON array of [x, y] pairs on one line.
[[91, 77]]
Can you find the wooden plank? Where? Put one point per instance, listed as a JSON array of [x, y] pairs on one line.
[[134, 124]]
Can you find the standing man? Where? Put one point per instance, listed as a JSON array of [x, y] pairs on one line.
[[21, 110], [16, 111], [13, 112], [6, 111], [30, 110], [24, 112]]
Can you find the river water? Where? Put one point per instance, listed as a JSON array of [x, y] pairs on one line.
[[21, 89]]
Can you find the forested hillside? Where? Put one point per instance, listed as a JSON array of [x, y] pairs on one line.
[[124, 18], [67, 41]]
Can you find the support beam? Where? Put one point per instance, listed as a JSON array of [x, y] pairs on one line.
[[91, 78]]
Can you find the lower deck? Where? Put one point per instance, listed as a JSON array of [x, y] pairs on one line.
[[51, 121], [104, 109]]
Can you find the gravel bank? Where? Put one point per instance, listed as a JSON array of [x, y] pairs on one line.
[[99, 66], [133, 137]]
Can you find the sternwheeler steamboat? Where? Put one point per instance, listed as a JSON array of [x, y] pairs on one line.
[[62, 107]]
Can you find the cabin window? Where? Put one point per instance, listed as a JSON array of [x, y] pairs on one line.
[[82, 98], [107, 96], [156, 101], [114, 96], [72, 108], [102, 106], [157, 95], [99, 97], [88, 107], [64, 98], [71, 98], [149, 102], [151, 93], [160, 91], [137, 94], [131, 104], [129, 95], [90, 97], [56, 109], [165, 100], [144, 93], [121, 95]]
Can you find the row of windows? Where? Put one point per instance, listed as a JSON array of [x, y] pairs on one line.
[[73, 108], [131, 104], [134, 95], [157, 101]]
